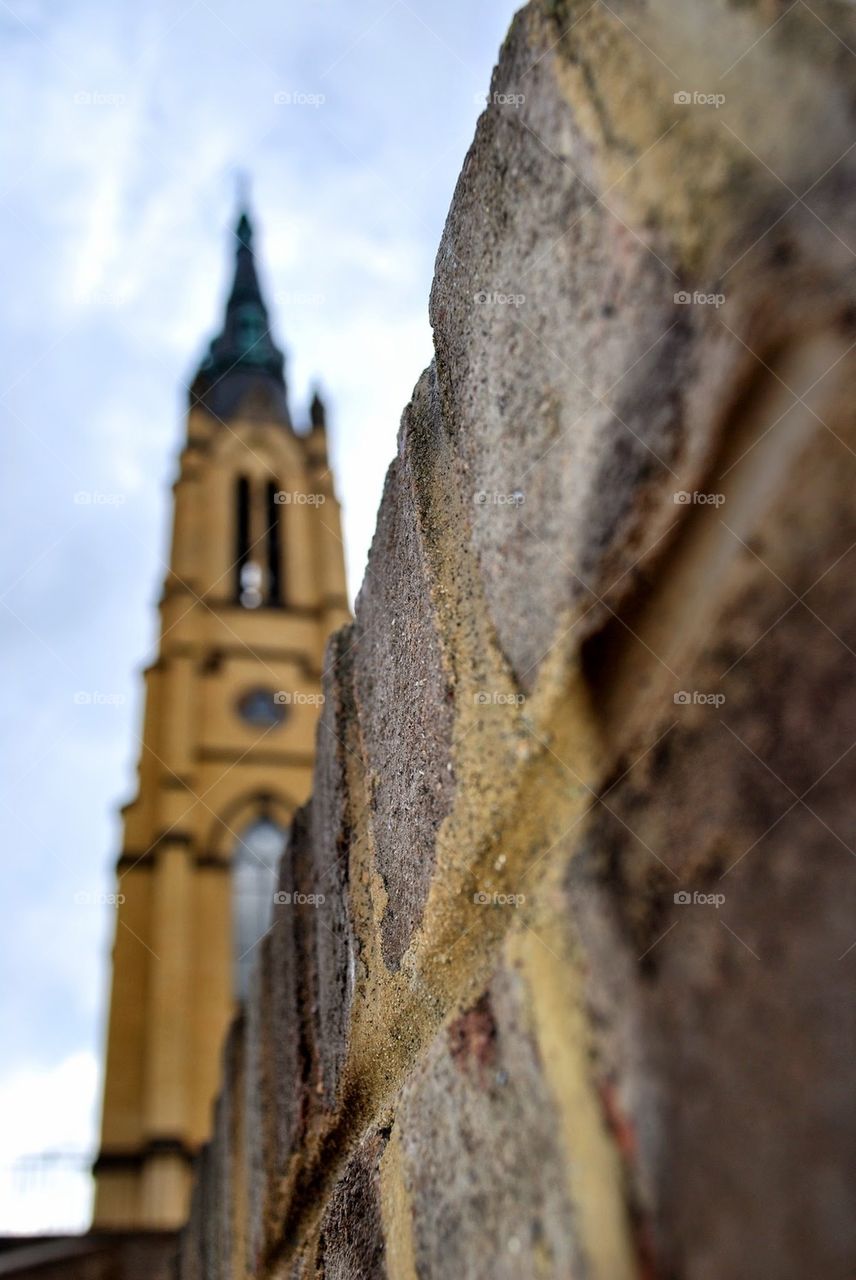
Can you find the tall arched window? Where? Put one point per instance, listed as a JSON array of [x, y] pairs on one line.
[[242, 534], [274, 552], [254, 872]]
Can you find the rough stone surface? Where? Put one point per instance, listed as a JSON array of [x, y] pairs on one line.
[[290, 1069], [735, 1008], [259, 1105], [591, 205], [404, 699], [331, 833], [478, 1101], [351, 1245], [579, 1001]]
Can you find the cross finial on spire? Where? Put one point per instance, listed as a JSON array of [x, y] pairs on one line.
[[242, 188]]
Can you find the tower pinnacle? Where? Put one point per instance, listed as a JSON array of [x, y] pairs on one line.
[[243, 369]]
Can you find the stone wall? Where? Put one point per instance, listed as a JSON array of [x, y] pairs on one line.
[[579, 998]]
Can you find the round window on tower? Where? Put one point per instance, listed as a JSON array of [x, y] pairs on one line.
[[263, 708]]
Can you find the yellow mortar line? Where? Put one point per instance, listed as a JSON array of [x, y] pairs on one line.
[[593, 1165], [397, 1212]]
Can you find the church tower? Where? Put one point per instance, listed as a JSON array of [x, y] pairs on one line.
[[255, 585]]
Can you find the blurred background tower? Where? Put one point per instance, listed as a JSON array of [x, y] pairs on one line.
[[256, 584]]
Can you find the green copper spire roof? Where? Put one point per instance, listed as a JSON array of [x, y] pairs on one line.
[[244, 369], [244, 231]]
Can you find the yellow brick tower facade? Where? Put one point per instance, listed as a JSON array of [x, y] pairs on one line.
[[255, 585]]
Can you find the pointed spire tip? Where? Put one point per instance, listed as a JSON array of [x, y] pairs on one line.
[[244, 231], [317, 412]]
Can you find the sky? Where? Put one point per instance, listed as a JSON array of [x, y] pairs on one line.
[[126, 127]]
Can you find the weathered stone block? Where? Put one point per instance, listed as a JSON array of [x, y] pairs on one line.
[[584, 380], [286, 976], [715, 893], [403, 692], [260, 1119], [331, 822], [483, 1165], [351, 1245]]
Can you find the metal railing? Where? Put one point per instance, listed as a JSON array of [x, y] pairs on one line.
[[46, 1193]]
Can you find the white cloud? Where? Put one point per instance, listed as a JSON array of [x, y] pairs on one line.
[[48, 1112]]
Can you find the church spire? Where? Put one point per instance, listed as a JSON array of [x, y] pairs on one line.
[[244, 369], [318, 413]]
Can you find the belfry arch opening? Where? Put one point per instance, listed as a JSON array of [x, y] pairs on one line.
[[258, 544]]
